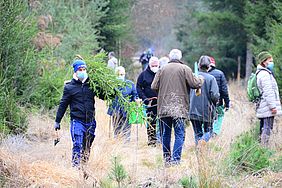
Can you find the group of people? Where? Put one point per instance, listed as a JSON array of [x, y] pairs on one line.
[[171, 94], [184, 95]]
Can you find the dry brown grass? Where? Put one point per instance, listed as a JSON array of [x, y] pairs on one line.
[[33, 161]]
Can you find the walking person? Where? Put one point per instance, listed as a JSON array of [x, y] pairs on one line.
[[78, 95], [269, 104], [202, 107], [173, 84], [119, 114], [149, 97], [163, 61], [224, 101], [145, 58], [112, 62]]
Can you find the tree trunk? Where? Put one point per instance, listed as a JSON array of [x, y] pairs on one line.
[[249, 61], [239, 69]]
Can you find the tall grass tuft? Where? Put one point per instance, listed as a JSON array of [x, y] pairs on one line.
[[188, 182], [246, 153]]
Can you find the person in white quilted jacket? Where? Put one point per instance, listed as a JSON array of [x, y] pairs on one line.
[[269, 105]]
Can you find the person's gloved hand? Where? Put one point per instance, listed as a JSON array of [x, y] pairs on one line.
[[146, 101], [57, 126], [226, 109]]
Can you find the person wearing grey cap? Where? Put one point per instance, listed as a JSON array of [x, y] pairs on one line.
[[202, 107]]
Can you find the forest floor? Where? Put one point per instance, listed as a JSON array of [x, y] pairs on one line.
[[32, 160]]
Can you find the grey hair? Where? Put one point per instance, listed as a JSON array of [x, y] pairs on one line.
[[163, 61], [118, 69], [175, 54], [154, 59]]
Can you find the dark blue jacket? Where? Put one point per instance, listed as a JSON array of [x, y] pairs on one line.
[[128, 91], [222, 85], [202, 108], [144, 89], [81, 100]]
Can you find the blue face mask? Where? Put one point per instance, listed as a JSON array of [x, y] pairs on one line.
[[270, 66], [81, 75]]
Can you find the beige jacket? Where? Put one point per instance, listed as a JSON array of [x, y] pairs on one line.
[[173, 83], [267, 86]]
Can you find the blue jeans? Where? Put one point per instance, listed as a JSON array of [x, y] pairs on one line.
[[179, 131], [82, 135], [159, 132]]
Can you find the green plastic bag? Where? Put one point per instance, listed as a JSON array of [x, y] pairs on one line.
[[217, 124], [136, 114]]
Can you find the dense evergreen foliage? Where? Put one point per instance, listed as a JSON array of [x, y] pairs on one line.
[[115, 27], [17, 63], [227, 29], [32, 76]]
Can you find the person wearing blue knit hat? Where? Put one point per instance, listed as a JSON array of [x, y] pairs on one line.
[[80, 98], [78, 64]]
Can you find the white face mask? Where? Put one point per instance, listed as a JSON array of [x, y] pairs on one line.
[[121, 77], [154, 69]]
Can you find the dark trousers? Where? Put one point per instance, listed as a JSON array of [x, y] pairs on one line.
[[202, 130], [151, 128], [266, 125]]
